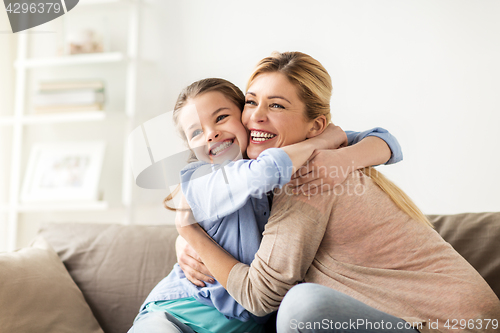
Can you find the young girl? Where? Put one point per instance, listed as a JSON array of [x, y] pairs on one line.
[[227, 195]]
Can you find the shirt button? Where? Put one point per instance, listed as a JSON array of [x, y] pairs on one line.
[[265, 213]]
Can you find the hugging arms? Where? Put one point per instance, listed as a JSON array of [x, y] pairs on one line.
[[368, 248], [362, 243]]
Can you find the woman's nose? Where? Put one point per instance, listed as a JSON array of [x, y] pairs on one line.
[[259, 114]]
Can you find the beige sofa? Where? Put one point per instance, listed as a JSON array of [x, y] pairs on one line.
[[115, 266]]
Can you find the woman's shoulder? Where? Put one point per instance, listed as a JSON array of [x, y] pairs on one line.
[[314, 207]]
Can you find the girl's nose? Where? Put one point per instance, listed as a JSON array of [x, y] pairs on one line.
[[212, 136]]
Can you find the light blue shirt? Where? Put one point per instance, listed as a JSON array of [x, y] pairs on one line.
[[230, 203]]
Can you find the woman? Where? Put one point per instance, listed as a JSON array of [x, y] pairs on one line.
[[372, 254]]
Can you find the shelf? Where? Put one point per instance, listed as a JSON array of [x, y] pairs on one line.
[[4, 208], [6, 120], [85, 3], [78, 59], [53, 118], [23, 116], [63, 207], [69, 117]]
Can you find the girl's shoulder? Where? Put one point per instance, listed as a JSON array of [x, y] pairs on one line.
[[193, 166], [199, 168]]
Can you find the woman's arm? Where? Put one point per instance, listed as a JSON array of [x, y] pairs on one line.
[[278, 265], [191, 263], [217, 258], [332, 137]]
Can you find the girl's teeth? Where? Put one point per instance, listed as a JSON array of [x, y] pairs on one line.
[[221, 147]]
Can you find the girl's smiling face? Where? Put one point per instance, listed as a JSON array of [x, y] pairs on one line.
[[274, 113], [213, 128]]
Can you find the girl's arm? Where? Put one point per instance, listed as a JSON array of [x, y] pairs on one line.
[[379, 157], [332, 137], [328, 168], [215, 191]]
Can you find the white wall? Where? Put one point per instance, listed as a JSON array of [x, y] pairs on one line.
[[427, 70]]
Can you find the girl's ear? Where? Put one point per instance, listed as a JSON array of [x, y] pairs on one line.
[[318, 125]]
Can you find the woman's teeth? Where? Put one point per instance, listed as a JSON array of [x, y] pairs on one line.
[[221, 147], [261, 136]]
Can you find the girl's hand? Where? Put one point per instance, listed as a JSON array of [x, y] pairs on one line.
[[191, 263], [333, 137], [324, 170]]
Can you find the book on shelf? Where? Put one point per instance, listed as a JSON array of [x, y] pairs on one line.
[[46, 86], [77, 97], [69, 96], [68, 108]]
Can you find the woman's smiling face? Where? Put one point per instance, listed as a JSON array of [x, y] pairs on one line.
[[274, 114]]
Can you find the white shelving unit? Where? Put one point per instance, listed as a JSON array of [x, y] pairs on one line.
[[98, 205], [74, 60], [21, 119]]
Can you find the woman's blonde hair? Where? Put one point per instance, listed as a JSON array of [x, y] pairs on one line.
[[315, 89], [306, 73], [195, 89]]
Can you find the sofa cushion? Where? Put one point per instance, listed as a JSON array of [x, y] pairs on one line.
[[115, 266], [476, 236], [38, 294]]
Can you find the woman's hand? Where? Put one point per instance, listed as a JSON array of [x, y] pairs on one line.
[[219, 260], [188, 259], [324, 170], [191, 263]]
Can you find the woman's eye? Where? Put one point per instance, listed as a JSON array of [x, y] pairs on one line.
[[250, 102], [196, 133], [276, 106], [219, 118]]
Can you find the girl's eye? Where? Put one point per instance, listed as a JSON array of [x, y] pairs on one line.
[[276, 106], [219, 118], [196, 133], [250, 102]]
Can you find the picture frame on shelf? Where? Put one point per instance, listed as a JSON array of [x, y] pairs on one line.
[[63, 172]]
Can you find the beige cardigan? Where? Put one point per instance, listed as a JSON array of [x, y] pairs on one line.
[[357, 241]]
